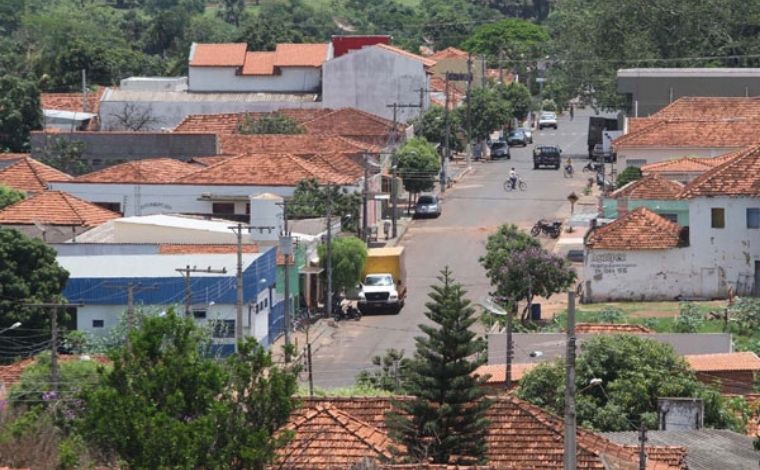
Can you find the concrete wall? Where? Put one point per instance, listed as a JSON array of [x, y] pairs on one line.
[[639, 275], [680, 208], [289, 79], [458, 65], [680, 414], [654, 93], [110, 147], [654, 155], [52, 234], [372, 78]]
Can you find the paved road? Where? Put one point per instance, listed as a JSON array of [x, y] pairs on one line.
[[472, 210]]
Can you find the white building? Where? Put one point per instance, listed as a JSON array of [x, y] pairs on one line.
[[643, 256]]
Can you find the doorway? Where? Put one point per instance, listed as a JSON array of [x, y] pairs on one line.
[[756, 285]]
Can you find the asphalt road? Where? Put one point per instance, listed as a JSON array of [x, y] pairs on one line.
[[472, 210]]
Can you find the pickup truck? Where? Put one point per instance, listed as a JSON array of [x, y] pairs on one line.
[[383, 289], [546, 155]]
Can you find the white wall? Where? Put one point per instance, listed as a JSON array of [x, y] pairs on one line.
[[372, 78], [654, 155], [290, 79]]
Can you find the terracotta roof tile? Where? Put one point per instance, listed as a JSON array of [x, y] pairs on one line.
[[258, 63], [671, 455], [710, 108], [649, 187], [208, 161], [426, 61], [493, 74], [328, 438], [298, 144], [498, 372], [13, 156], [270, 170], [627, 328], [219, 55], [727, 133], [736, 361], [55, 208], [683, 165], [227, 123], [640, 229], [152, 170], [300, 55], [27, 174], [72, 101], [355, 124], [196, 248], [449, 53], [738, 176]]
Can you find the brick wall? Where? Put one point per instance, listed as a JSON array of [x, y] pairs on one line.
[[731, 382]]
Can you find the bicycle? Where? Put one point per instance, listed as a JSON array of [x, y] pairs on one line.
[[569, 170], [521, 185]]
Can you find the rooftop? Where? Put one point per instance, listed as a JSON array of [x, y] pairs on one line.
[[640, 229], [652, 187], [709, 108], [72, 101], [149, 266], [611, 328], [199, 248], [738, 176], [151, 170], [27, 174], [218, 55], [426, 61], [449, 53], [298, 144], [55, 208], [689, 72], [258, 63], [300, 55], [686, 164], [695, 133], [735, 361], [227, 123], [146, 96]]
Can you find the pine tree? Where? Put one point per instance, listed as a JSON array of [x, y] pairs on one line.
[[445, 419]]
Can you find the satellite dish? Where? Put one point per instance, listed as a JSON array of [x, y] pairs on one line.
[[489, 304]]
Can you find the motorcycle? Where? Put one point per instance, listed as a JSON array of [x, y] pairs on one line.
[[569, 170], [551, 229], [344, 309], [593, 167]]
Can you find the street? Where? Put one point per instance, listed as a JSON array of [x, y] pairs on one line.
[[472, 210]]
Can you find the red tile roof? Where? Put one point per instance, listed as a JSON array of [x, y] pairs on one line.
[[685, 165], [728, 133], [227, 123], [219, 55], [427, 62], [300, 55], [27, 174], [13, 156], [738, 176], [449, 53], [498, 372], [152, 170], [627, 328], [72, 101], [55, 208], [272, 170], [353, 123], [208, 161], [197, 248], [640, 229], [652, 187], [258, 63], [294, 144], [727, 362], [328, 438], [710, 108]]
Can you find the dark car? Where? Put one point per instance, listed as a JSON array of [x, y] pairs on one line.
[[500, 149], [517, 137], [427, 206], [546, 155]]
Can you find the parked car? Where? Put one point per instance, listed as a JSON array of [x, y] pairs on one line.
[[528, 133], [517, 137], [547, 119], [500, 149], [598, 154], [427, 206], [546, 155]]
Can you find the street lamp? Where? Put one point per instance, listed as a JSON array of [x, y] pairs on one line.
[[12, 327]]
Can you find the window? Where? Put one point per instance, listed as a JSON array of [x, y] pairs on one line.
[[670, 216], [753, 217], [718, 217], [97, 323], [199, 314], [248, 208], [223, 208], [111, 206], [223, 328]]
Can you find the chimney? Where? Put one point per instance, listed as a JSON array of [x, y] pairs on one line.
[[680, 414]]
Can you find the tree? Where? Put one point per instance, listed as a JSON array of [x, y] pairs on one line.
[[689, 319], [514, 38], [176, 403], [232, 11], [418, 165], [10, 196], [28, 273], [631, 173], [519, 98], [65, 155], [134, 118], [349, 256], [272, 123], [20, 113], [488, 112], [431, 126], [445, 419], [631, 369], [310, 200], [500, 245], [746, 313], [393, 367]]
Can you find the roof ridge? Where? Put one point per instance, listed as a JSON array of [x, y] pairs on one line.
[[338, 414], [748, 152], [63, 196]]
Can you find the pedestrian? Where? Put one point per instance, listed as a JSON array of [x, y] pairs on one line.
[[572, 112]]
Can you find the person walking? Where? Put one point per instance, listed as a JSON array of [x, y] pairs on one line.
[[572, 112]]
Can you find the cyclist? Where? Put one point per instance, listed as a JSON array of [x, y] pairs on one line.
[[513, 177], [569, 166]]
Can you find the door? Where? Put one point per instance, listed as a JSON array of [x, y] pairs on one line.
[[709, 287], [756, 286]]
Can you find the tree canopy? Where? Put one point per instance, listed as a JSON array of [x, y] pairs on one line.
[[418, 165], [516, 39], [310, 199], [10, 196], [349, 256], [20, 112], [631, 369], [272, 123], [431, 126], [489, 112]]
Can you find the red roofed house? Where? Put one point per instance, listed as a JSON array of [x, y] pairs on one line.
[[653, 192], [454, 60], [643, 256], [232, 68], [26, 174]]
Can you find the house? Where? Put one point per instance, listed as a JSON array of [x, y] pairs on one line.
[[95, 282], [685, 169], [373, 78], [54, 216], [230, 67], [71, 111], [455, 60], [654, 192], [648, 90], [341, 432], [733, 372], [23, 173]]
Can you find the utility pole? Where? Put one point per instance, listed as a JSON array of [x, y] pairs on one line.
[[394, 196], [311, 376], [186, 271], [510, 351], [446, 155], [85, 106], [286, 245], [53, 307], [132, 289], [469, 97], [642, 446], [570, 431], [483, 77], [238, 229], [365, 194], [329, 253]]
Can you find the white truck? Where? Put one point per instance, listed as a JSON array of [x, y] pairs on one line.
[[383, 289]]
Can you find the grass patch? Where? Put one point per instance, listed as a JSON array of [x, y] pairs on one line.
[[353, 391]]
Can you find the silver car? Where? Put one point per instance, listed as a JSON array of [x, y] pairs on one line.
[[528, 133], [547, 119], [427, 206]]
